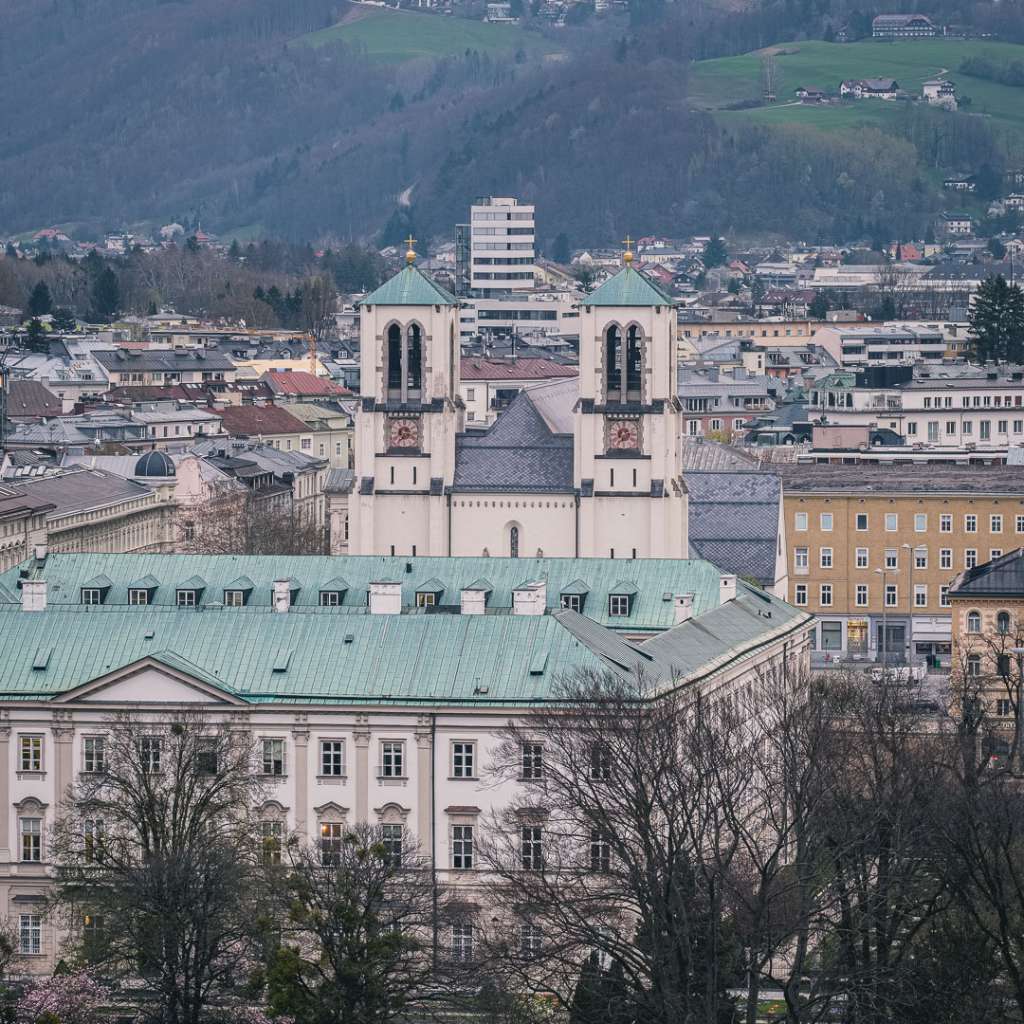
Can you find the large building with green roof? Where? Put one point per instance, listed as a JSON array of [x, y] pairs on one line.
[[356, 679], [579, 468]]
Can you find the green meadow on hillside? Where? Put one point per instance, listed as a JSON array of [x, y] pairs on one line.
[[715, 84], [396, 36]]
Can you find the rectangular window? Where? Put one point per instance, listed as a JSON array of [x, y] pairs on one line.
[[920, 558], [800, 559], [861, 596], [271, 835], [392, 760], [332, 757], [920, 522], [136, 596], [149, 754], [970, 524], [862, 558], [330, 598], [531, 940], [532, 847], [331, 833], [462, 847], [944, 596], [94, 750], [600, 763], [1020, 524], [30, 749], [950, 428], [800, 521], [600, 851], [1003, 707], [892, 595], [91, 595], [826, 522], [920, 595], [862, 521], [892, 521], [618, 605], [30, 934], [533, 761], [573, 602], [234, 598], [462, 941], [826, 595], [273, 756], [892, 558], [392, 839], [945, 558], [206, 756], [826, 558], [463, 755], [94, 830], [945, 523], [800, 594], [970, 558], [994, 553], [1018, 425], [186, 598], [995, 524], [31, 830]]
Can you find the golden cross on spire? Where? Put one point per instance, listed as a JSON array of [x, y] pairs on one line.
[[627, 256], [410, 255]]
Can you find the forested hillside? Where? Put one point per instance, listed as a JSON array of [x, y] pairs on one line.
[[310, 120]]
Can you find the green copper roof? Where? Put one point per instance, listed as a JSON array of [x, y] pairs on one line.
[[409, 287], [242, 583], [628, 288], [650, 609]]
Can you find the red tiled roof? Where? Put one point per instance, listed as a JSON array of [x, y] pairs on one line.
[[478, 368], [30, 398], [249, 420], [299, 382]]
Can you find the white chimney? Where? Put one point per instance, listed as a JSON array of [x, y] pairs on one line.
[[39, 551], [282, 595], [683, 606], [726, 587], [473, 602], [530, 599], [33, 595], [385, 598]]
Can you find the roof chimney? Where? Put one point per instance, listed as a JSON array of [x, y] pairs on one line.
[[530, 598], [33, 595], [473, 602], [40, 552], [682, 605], [282, 595], [726, 587], [385, 598]]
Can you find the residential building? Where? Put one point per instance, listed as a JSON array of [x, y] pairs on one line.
[[903, 26], [488, 386], [869, 88], [873, 549], [331, 429], [517, 314], [939, 92], [271, 423], [165, 366], [856, 345], [290, 386], [171, 421], [956, 223], [719, 404], [502, 244], [364, 728], [22, 524], [28, 401]]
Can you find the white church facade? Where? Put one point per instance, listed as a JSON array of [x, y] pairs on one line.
[[587, 469]]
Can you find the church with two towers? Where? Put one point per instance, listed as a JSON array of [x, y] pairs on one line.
[[578, 468]]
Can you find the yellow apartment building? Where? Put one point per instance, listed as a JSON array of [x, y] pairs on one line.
[[873, 549]]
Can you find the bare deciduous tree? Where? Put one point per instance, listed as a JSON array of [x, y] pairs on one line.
[[155, 852]]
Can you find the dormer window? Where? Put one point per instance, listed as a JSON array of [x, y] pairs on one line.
[[186, 598], [238, 592], [142, 591], [620, 600], [428, 595], [330, 598], [574, 602], [574, 596], [95, 591], [92, 595], [138, 596]]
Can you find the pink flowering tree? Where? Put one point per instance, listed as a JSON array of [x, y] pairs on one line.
[[64, 999]]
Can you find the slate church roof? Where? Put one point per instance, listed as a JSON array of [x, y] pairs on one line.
[[734, 521], [519, 452]]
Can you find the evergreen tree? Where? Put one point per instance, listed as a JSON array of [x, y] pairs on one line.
[[560, 251], [818, 307], [37, 337], [588, 1004], [997, 321], [64, 320], [106, 296], [39, 302], [996, 247], [235, 252], [715, 253]]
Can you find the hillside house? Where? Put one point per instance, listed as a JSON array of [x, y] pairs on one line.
[[959, 183], [806, 95], [938, 92], [956, 223], [869, 88], [903, 26]]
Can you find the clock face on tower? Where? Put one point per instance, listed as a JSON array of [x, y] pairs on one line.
[[623, 435], [404, 432]]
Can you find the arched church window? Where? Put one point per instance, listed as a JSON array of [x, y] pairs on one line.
[[633, 362], [613, 363], [394, 368], [414, 359], [513, 542]]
